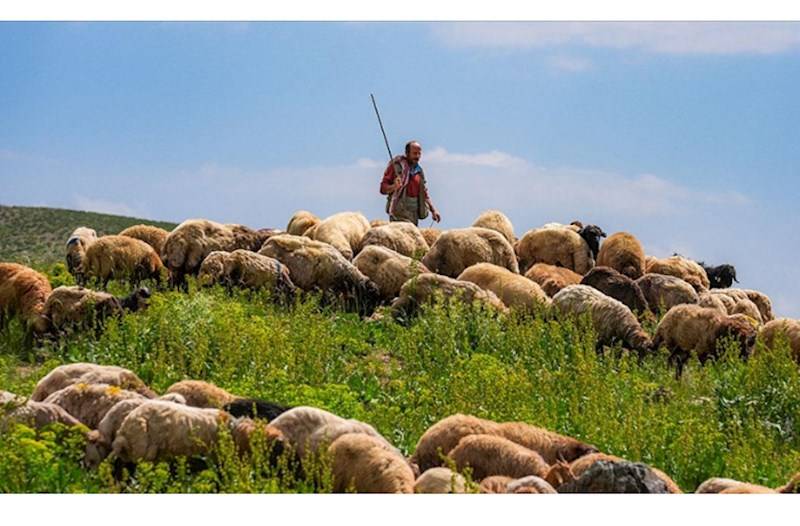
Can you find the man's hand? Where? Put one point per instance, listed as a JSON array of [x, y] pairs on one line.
[[396, 185], [436, 216]]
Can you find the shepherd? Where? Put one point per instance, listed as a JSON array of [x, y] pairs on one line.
[[404, 185]]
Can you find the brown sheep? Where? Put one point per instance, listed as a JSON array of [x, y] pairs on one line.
[[690, 328], [680, 267], [89, 373], [121, 257], [399, 236], [723, 485], [242, 434], [16, 409], [514, 291], [198, 393], [715, 301], [618, 286], [663, 292], [425, 288], [343, 231], [783, 327], [552, 278], [314, 265], [440, 480], [455, 250], [89, 403], [378, 222], [736, 301], [763, 303], [243, 268], [489, 455], [553, 447], [152, 235], [71, 307], [562, 473], [365, 464], [611, 319], [495, 484], [530, 484], [23, 293], [300, 222], [497, 221], [624, 253], [387, 269], [78, 242], [430, 234], [562, 247]]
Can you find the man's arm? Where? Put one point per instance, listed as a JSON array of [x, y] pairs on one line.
[[388, 182], [434, 214]]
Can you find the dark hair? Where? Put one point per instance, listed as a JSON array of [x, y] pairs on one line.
[[408, 145]]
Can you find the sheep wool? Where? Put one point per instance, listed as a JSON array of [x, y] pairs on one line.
[[624, 253], [680, 267], [244, 268], [514, 290], [561, 247], [489, 455], [723, 485], [121, 257], [552, 278], [23, 293], [425, 288], [89, 403], [530, 484], [77, 243], [763, 303], [387, 268], [497, 221], [399, 236], [89, 373], [198, 393], [32, 414], [73, 306], [430, 234], [444, 435], [152, 235], [300, 222], [616, 285], [663, 292], [495, 484], [440, 480], [363, 463], [553, 447], [786, 328], [343, 231], [455, 250]]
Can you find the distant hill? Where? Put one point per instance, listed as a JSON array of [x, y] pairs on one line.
[[37, 235]]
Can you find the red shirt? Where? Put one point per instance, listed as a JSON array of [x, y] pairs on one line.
[[412, 189]]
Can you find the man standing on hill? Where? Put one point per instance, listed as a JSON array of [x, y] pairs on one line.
[[404, 185]]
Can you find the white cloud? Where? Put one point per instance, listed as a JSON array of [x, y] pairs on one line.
[[657, 37], [104, 206], [569, 64]]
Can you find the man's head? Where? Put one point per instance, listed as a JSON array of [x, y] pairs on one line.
[[413, 152]]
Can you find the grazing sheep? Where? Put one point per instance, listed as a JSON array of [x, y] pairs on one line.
[[530, 484], [721, 276], [664, 292], [15, 409], [121, 257], [763, 303], [497, 221], [343, 231], [552, 278], [691, 328], [89, 373], [562, 247], [715, 301], [399, 236], [553, 447], [363, 463], [426, 287], [300, 222], [783, 327], [514, 291], [618, 286], [255, 408], [430, 234], [736, 302], [314, 265], [89, 403], [723, 485], [201, 394], [78, 242], [152, 235], [611, 319], [242, 433], [243, 268], [388, 269], [495, 484], [489, 455], [70, 307], [23, 293], [440, 480], [155, 432], [190, 242], [455, 250], [327, 433], [680, 267], [624, 253]]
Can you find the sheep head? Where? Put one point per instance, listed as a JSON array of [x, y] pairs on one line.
[[592, 234]]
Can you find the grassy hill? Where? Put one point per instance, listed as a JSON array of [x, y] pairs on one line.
[[33, 235]]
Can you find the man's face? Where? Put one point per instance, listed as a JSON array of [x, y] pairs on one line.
[[414, 153]]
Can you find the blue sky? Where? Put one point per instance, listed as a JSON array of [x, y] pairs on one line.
[[684, 134]]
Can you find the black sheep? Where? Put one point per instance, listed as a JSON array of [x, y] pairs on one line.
[[255, 408]]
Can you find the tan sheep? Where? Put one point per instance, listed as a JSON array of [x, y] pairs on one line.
[[326, 434], [783, 328], [244, 429], [581, 465], [399, 236], [89, 373], [624, 253], [343, 231], [611, 319], [495, 484], [121, 257], [198, 393], [23, 293], [243, 268], [552, 278], [300, 222], [497, 221], [688, 329], [714, 301], [530, 484], [763, 303], [456, 250], [514, 290], [155, 432], [89, 403], [723, 485], [664, 292], [15, 409], [430, 234], [387, 269], [552, 446], [314, 265], [562, 247], [78, 242], [689, 271], [70, 307], [440, 480], [736, 301], [489, 455], [425, 288], [363, 463], [378, 222], [152, 235]]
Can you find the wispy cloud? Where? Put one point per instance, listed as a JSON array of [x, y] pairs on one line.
[[105, 206], [569, 64], [719, 38]]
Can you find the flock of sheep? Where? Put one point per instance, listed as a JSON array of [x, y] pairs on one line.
[[564, 269], [124, 420]]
